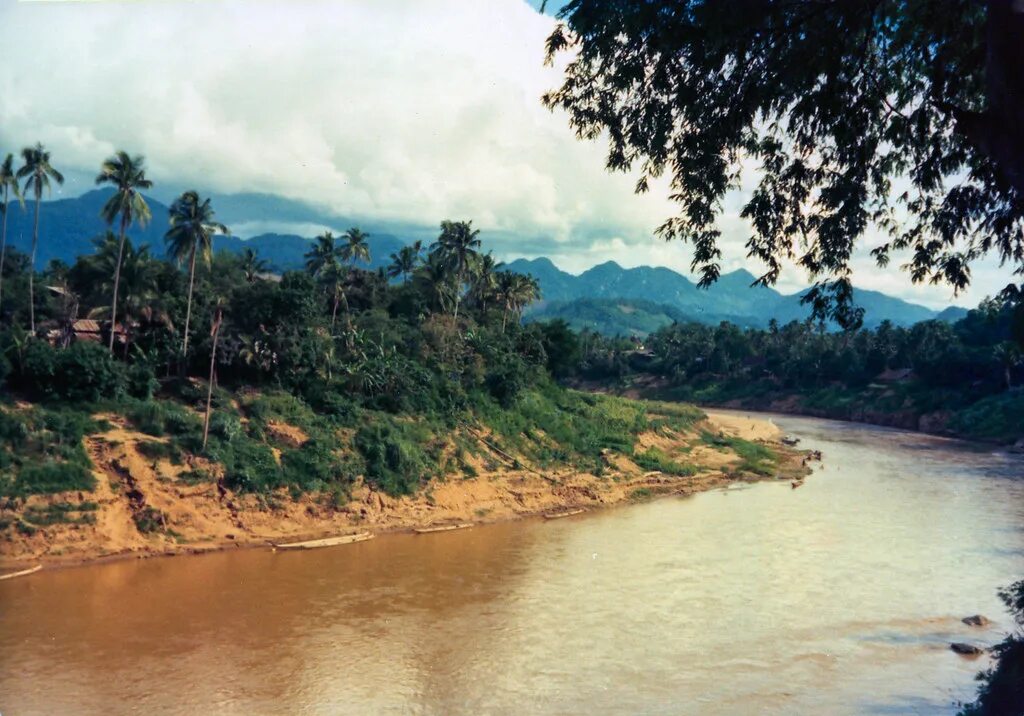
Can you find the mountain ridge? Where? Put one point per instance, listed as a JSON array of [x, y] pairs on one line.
[[69, 227]]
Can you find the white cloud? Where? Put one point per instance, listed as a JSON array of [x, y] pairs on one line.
[[405, 111]]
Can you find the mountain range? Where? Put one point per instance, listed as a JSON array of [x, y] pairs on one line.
[[622, 300], [607, 297]]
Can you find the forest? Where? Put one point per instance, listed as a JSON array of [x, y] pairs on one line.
[[962, 378]]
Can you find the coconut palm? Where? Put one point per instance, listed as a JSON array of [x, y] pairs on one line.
[[8, 184], [139, 298], [128, 175], [191, 234], [434, 281], [484, 280], [252, 265], [514, 291], [218, 319], [322, 264], [37, 173], [355, 247], [456, 248], [404, 262]]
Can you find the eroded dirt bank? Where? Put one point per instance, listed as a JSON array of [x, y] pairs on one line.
[[146, 507]]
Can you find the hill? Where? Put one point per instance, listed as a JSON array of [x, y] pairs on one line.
[[732, 298], [70, 225], [68, 228]]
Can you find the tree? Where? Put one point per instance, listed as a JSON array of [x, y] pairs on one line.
[[484, 280], [218, 318], [514, 291], [456, 248], [1009, 357], [128, 175], [191, 233], [322, 264], [139, 300], [404, 262], [8, 184], [37, 173], [252, 265], [355, 247], [842, 104]]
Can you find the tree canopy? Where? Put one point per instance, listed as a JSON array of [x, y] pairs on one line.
[[900, 113]]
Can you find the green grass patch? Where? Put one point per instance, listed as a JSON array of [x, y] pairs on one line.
[[654, 459]]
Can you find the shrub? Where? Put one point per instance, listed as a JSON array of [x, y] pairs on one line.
[[87, 372], [141, 381], [395, 459]]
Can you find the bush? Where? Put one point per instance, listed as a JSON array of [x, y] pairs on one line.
[[314, 465], [395, 459], [87, 372], [141, 381]]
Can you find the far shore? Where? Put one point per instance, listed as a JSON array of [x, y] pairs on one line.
[[243, 522]]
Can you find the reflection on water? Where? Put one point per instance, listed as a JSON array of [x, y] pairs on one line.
[[839, 597]]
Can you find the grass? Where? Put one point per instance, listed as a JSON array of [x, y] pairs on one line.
[[654, 459], [754, 457], [61, 513]]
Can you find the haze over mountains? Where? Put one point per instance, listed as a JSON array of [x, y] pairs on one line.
[[606, 297]]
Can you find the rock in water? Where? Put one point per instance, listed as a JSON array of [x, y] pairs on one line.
[[976, 620], [965, 649]]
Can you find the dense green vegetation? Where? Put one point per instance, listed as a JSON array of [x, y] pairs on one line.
[[968, 373], [399, 374]]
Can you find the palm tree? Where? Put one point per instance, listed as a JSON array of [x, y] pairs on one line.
[[252, 265], [515, 290], [128, 175], [355, 248], [1009, 357], [322, 264], [8, 184], [139, 300], [434, 280], [457, 249], [191, 233], [484, 280], [218, 318], [37, 173], [405, 261]]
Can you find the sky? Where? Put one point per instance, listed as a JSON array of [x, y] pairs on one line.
[[405, 111]]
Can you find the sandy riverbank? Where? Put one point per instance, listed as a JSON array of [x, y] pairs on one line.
[[205, 517]]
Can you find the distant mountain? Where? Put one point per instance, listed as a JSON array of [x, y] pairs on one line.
[[731, 298], [69, 227], [616, 299], [611, 316]]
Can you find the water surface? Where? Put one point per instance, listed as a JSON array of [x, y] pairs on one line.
[[839, 597]]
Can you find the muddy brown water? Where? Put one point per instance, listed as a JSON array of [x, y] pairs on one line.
[[840, 597]]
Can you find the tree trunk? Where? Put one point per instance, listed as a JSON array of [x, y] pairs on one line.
[[209, 387], [348, 319], [32, 269], [504, 319], [334, 310], [3, 242], [188, 306], [117, 280]]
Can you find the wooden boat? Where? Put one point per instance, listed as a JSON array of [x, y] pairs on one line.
[[790, 440], [559, 515], [326, 542], [442, 528], [22, 573]]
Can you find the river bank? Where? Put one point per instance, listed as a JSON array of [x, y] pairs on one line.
[[996, 420], [104, 525], [844, 596]]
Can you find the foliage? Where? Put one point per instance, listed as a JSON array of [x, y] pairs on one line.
[[41, 451], [654, 459], [835, 103], [1002, 686]]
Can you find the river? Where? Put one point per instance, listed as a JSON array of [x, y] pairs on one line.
[[840, 597]]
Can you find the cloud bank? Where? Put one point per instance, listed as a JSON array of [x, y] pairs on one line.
[[403, 111]]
